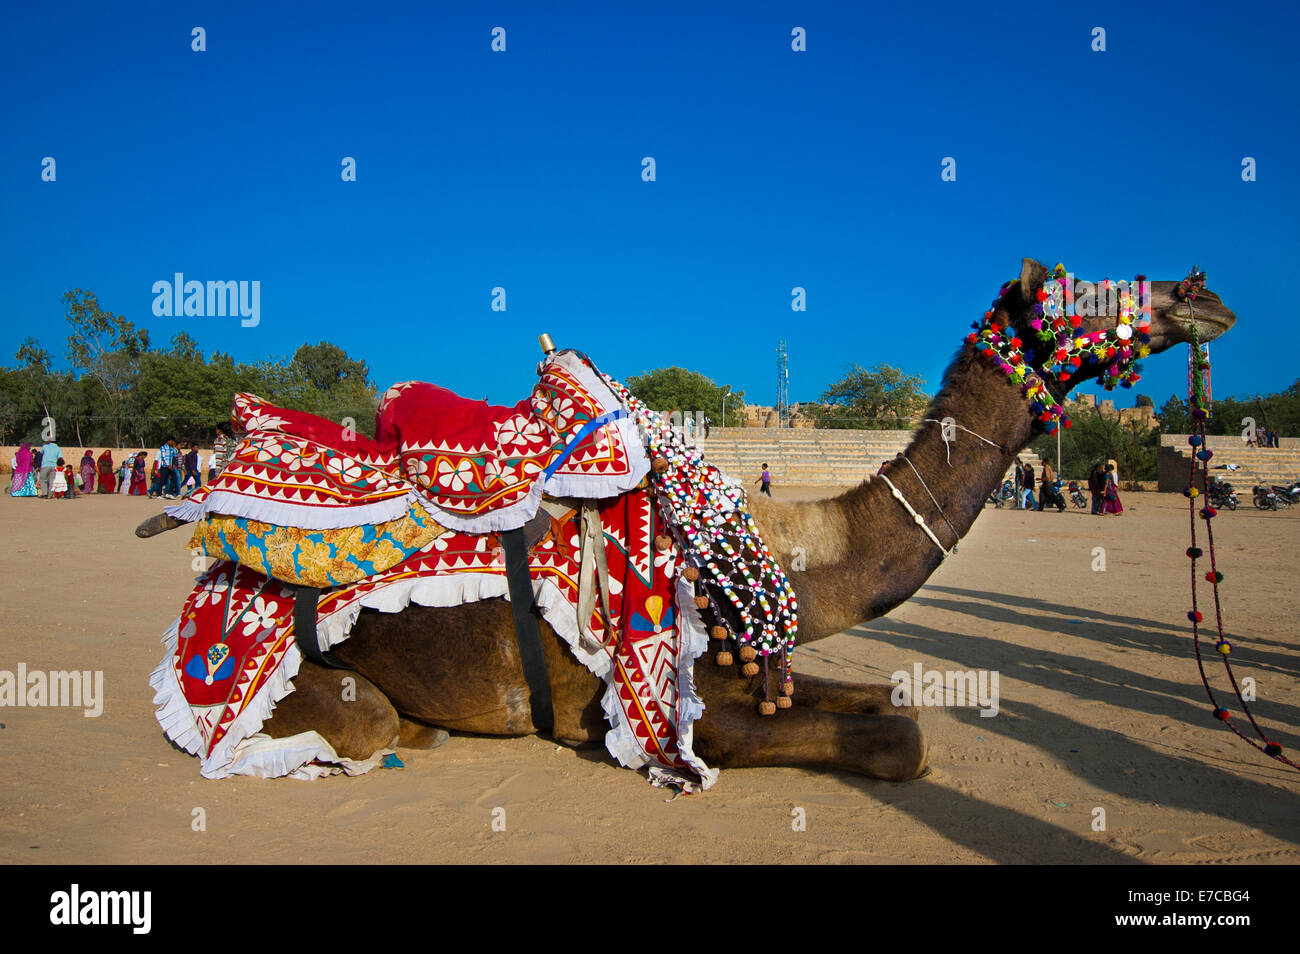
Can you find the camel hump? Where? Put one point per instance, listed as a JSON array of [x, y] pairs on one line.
[[159, 523]]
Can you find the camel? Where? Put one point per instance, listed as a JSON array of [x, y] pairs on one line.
[[429, 669]]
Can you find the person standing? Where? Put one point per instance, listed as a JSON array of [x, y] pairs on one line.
[[1029, 486], [1096, 487], [24, 483], [1048, 492], [174, 474], [137, 474], [1111, 493], [165, 462], [223, 448], [766, 481], [107, 483], [193, 480], [1019, 477], [51, 454], [59, 481], [88, 472]]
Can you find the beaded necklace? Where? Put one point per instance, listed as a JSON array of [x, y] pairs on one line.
[[1064, 349], [715, 530]]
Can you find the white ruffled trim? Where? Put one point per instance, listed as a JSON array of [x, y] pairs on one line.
[[188, 510], [695, 642], [282, 513], [174, 713]]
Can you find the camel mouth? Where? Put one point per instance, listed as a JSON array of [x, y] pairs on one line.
[[1207, 315]]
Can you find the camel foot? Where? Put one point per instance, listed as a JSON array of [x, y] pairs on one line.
[[417, 735], [343, 706], [159, 523]]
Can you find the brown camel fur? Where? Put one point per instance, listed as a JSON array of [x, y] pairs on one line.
[[459, 667]]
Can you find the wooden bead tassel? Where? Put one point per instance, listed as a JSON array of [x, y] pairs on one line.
[[724, 658]]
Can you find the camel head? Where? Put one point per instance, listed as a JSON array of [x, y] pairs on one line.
[[1104, 328]]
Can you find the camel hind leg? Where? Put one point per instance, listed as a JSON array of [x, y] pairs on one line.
[[354, 717]]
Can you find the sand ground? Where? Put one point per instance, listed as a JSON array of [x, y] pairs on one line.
[[1101, 708]]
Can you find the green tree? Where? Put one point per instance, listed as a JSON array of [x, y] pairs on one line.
[[19, 410], [669, 390], [105, 346], [1175, 416], [326, 366], [880, 397]]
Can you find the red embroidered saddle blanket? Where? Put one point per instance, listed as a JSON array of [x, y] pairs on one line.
[[471, 466], [231, 655]]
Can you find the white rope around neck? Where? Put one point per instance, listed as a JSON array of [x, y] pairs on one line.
[[916, 517], [948, 444]]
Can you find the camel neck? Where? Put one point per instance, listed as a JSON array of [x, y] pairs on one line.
[[864, 552]]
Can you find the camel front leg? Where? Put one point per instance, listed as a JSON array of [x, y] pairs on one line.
[[889, 747]]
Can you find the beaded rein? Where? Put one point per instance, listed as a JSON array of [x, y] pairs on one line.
[[1200, 464]]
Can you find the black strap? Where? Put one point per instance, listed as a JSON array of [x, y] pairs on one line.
[[524, 608], [304, 627]]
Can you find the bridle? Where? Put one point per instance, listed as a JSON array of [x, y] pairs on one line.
[[1116, 351]]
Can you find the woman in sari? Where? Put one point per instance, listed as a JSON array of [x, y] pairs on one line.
[[137, 475], [107, 481], [87, 472], [1111, 502], [23, 483]]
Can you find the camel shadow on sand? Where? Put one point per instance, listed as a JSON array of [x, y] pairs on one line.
[[1173, 633], [1157, 777], [1143, 692]]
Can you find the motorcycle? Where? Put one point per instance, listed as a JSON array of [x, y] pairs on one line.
[[1002, 494], [1265, 498], [1222, 495], [1076, 495], [1289, 495]]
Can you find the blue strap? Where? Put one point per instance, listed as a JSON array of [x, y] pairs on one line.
[[594, 424]]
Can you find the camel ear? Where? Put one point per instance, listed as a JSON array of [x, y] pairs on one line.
[[1032, 276]]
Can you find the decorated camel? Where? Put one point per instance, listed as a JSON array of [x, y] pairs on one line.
[[414, 649]]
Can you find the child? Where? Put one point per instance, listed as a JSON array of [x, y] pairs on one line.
[[59, 481], [766, 480]]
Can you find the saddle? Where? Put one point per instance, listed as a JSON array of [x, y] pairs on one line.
[[314, 504]]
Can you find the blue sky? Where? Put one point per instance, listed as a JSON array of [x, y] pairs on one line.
[[522, 169]]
